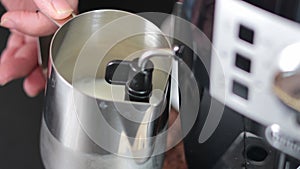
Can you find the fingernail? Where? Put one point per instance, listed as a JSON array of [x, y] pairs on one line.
[[3, 82], [64, 12], [31, 95], [4, 78], [1, 85], [62, 7], [8, 23]]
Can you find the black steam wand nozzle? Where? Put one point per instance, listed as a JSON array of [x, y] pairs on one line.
[[136, 75], [138, 82]]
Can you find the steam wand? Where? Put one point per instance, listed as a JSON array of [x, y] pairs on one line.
[[162, 52], [136, 75]]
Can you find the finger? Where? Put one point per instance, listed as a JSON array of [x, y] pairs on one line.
[[35, 82], [15, 40], [8, 53], [29, 39], [56, 9], [23, 62], [13, 5], [31, 23]]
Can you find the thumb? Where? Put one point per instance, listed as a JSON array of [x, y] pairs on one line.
[[56, 9]]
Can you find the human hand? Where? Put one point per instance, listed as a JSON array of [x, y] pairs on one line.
[[20, 57]]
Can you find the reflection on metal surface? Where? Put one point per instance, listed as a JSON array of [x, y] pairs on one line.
[[287, 81], [282, 141], [57, 156], [287, 88], [289, 60], [154, 53]]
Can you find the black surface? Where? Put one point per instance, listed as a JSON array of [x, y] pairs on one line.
[[209, 153], [128, 5], [20, 116], [206, 155], [288, 9]]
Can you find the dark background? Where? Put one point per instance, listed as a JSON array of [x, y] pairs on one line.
[[20, 116]]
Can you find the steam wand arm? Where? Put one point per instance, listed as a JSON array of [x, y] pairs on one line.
[[161, 52]]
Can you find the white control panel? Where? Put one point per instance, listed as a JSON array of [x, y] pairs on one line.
[[247, 42]]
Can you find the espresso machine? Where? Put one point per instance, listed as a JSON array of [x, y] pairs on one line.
[[248, 80], [232, 61]]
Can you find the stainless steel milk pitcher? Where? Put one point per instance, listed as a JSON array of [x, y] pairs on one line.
[[89, 123]]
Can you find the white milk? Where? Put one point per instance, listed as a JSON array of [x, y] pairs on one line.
[[99, 88]]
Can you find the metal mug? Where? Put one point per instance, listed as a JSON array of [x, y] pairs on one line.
[[87, 123]]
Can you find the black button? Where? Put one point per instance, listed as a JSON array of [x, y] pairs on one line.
[[246, 34], [243, 62], [240, 90]]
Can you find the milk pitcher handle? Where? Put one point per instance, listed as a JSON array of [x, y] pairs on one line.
[[44, 42], [61, 22]]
